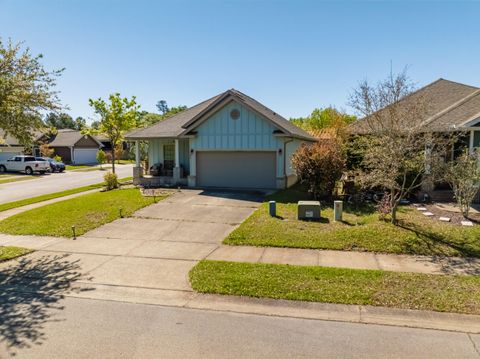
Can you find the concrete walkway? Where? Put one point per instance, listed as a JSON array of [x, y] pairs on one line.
[[345, 259]]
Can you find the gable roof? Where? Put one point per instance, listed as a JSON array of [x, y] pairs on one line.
[[442, 96], [183, 122], [9, 140], [68, 138]]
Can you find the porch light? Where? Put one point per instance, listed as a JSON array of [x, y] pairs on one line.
[[192, 151], [280, 151]]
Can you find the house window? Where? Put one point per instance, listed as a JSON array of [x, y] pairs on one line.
[[476, 139]]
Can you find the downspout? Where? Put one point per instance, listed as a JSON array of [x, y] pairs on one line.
[[285, 161]]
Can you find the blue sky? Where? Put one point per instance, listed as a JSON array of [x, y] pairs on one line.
[[291, 55]]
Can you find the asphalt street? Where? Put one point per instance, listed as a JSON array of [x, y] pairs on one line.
[[56, 182]]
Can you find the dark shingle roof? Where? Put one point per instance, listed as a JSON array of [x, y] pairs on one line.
[[172, 126], [10, 140], [440, 96], [187, 120], [67, 138]]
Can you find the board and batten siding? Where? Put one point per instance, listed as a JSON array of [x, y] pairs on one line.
[[250, 132]]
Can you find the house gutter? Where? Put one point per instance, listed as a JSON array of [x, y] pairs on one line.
[[285, 160]]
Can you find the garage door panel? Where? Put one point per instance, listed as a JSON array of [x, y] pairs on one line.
[[236, 169], [85, 156]]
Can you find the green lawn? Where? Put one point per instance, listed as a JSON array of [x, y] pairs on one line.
[[79, 167], [84, 212], [445, 293], [10, 252], [46, 197], [361, 230]]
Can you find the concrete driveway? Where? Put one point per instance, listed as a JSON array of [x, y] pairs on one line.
[[145, 258]]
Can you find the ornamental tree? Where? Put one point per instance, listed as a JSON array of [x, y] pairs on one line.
[[117, 116], [463, 174], [398, 151], [26, 90]]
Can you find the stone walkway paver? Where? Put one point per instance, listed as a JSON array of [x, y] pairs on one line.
[[345, 259]]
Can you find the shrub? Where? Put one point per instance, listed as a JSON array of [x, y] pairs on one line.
[[463, 174], [319, 166], [384, 206], [111, 181], [57, 158], [101, 157]]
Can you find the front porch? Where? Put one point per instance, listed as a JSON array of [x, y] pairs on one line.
[[168, 163]]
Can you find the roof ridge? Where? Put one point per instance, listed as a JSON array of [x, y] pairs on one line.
[[450, 108], [458, 83]]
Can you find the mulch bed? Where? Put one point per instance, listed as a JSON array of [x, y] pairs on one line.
[[455, 217]]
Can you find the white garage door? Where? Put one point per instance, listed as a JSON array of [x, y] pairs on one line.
[[236, 169], [7, 155], [85, 155]]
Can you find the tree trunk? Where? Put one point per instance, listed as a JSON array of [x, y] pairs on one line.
[[393, 207], [113, 160]]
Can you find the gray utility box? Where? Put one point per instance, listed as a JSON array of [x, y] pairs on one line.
[[308, 210]]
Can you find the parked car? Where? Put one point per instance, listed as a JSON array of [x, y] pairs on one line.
[[54, 165], [27, 164]]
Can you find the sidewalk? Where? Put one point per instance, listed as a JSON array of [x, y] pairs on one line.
[[345, 259]]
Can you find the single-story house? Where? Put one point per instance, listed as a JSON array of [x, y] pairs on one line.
[[107, 144], [229, 141], [10, 146], [74, 147], [451, 106]]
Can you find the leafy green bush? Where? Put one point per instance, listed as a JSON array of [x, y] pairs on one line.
[[101, 157], [57, 158], [111, 181]]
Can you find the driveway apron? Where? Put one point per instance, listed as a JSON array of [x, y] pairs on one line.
[[150, 254]]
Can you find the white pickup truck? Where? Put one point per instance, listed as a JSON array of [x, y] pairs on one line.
[[27, 164]]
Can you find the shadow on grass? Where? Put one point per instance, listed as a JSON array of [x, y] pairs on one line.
[[30, 291], [438, 244]]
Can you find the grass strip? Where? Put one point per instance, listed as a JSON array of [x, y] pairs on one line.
[[46, 197], [443, 293], [10, 252], [360, 230], [16, 179], [85, 212]]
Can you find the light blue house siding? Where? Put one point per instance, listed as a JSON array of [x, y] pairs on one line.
[[250, 132]]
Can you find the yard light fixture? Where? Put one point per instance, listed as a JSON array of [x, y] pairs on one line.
[[73, 232], [120, 212]]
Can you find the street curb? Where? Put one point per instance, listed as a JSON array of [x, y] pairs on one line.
[[464, 323]]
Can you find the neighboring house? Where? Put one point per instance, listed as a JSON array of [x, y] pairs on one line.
[[229, 140], [10, 146], [107, 145], [451, 106], [74, 147]]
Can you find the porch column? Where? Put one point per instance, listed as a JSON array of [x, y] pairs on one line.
[[176, 170], [137, 154], [471, 142], [177, 154], [137, 170]]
